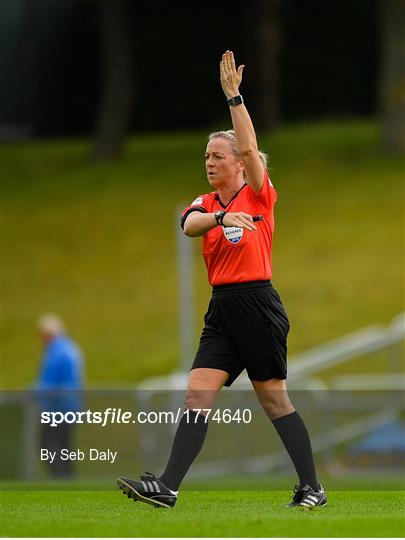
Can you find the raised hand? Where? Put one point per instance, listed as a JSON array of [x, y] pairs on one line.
[[239, 219], [230, 76]]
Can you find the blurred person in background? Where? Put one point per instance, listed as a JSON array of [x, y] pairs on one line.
[[246, 326], [58, 384]]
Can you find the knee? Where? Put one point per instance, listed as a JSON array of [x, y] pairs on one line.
[[192, 399], [276, 405], [199, 399]]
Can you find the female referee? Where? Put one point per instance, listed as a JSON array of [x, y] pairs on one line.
[[246, 325]]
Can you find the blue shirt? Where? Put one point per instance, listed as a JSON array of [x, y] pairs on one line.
[[61, 374]]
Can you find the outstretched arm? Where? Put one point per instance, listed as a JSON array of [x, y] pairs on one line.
[[198, 223], [231, 79]]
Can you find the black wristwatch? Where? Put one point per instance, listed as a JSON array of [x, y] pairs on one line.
[[219, 217], [237, 100]]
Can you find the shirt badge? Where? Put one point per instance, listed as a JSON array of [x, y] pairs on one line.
[[233, 234], [198, 200]]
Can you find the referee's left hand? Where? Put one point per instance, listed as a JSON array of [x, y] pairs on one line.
[[230, 76], [239, 219]]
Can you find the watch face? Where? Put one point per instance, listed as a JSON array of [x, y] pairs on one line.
[[219, 216], [237, 100]]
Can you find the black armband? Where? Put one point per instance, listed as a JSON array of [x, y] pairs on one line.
[[193, 209]]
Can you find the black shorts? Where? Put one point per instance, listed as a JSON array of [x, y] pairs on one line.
[[246, 327]]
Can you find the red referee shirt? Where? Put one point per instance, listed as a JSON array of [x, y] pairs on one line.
[[233, 254]]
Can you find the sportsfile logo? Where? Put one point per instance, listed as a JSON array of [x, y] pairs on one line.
[[118, 416]]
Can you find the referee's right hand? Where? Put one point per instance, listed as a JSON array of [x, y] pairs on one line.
[[239, 219]]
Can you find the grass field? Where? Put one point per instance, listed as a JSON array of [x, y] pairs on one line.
[[201, 513], [96, 243]]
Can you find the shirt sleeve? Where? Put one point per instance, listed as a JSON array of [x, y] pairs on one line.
[[268, 195], [200, 204]]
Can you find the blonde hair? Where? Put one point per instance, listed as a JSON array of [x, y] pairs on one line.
[[230, 136], [51, 324]]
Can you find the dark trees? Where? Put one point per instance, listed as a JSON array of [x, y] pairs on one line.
[[117, 78], [392, 83], [265, 31]]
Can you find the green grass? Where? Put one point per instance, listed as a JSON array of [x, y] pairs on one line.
[[96, 243], [200, 513]]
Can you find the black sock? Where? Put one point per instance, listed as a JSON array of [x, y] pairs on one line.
[[188, 441], [294, 435]]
